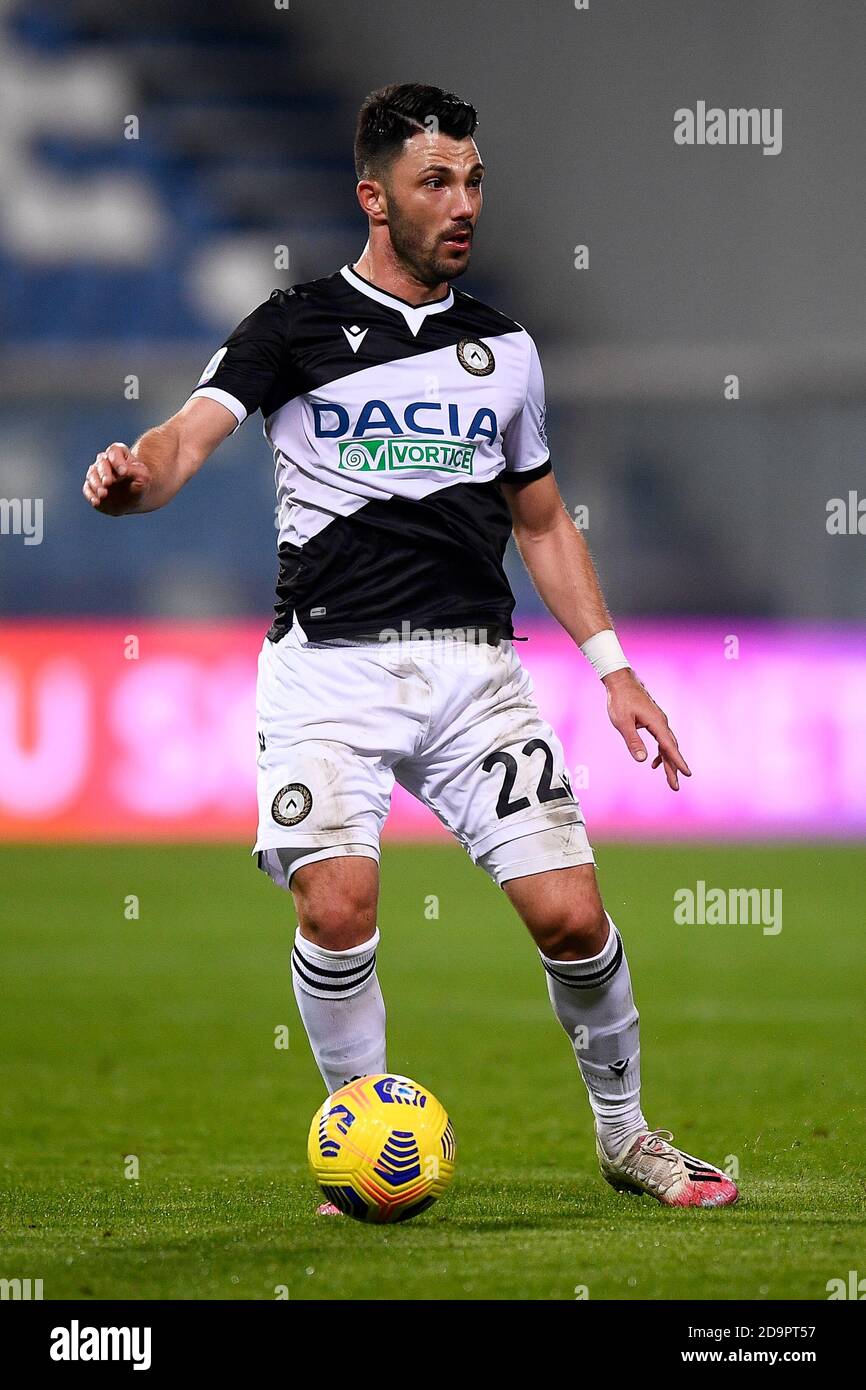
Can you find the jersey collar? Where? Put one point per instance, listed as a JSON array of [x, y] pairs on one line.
[[414, 314]]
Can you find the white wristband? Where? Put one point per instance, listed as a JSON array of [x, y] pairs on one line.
[[604, 653]]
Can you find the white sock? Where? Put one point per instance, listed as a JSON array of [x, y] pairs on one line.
[[593, 1001], [341, 1005]]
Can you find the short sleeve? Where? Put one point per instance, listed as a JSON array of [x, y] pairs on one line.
[[524, 441], [242, 372]]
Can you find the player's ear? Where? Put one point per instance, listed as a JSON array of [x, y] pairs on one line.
[[371, 196]]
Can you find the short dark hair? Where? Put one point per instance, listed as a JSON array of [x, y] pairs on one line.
[[393, 114]]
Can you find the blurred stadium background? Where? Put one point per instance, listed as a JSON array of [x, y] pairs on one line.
[[124, 262], [157, 165]]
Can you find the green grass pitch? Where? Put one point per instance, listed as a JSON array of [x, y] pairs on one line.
[[155, 1038]]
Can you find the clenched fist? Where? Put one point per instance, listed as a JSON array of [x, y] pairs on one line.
[[115, 481]]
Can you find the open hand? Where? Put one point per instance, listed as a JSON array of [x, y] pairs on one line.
[[630, 708]]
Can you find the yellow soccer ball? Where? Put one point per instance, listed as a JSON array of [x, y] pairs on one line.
[[382, 1148]]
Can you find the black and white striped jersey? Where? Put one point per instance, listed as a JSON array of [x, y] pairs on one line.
[[392, 427]]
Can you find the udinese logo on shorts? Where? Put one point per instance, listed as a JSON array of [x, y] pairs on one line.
[[292, 803]]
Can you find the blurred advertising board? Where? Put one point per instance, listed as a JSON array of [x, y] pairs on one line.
[[147, 731]]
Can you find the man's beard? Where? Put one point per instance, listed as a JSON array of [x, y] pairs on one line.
[[427, 264]]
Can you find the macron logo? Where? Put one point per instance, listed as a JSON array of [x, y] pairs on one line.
[[354, 336], [77, 1343]]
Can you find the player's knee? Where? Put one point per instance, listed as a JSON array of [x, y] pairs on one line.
[[337, 926], [574, 930], [336, 912]]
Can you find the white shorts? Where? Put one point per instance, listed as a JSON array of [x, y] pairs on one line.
[[453, 721]]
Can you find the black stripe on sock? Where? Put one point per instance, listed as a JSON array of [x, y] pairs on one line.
[[336, 989], [330, 974], [594, 980]]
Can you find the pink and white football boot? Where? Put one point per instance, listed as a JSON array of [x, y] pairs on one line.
[[649, 1163]]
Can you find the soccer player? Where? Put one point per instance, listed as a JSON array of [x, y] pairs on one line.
[[406, 421]]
